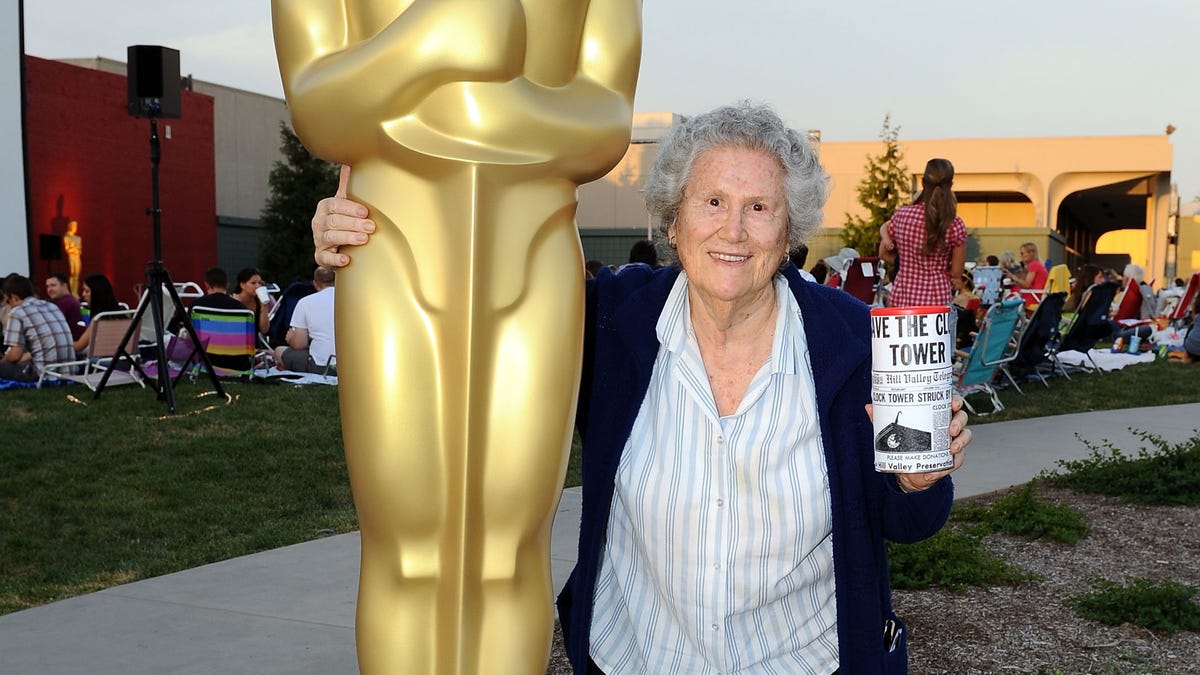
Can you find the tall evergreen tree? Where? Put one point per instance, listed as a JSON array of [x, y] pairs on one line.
[[297, 183], [884, 188]]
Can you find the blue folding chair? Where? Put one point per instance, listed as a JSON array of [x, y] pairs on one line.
[[996, 344]]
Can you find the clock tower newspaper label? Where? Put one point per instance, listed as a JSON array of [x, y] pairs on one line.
[[912, 356]]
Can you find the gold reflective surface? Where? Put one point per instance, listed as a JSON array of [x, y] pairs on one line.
[[469, 125]]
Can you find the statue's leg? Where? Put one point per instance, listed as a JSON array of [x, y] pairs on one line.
[[459, 364], [533, 388], [401, 388]]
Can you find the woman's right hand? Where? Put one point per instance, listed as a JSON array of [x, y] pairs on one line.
[[339, 222]]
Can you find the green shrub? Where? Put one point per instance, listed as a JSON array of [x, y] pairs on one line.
[[1166, 607], [1023, 514], [1168, 475], [951, 560]]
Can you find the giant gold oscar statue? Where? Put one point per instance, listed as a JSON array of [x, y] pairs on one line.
[[469, 124]]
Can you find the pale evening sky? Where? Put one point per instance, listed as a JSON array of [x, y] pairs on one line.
[[1034, 68]]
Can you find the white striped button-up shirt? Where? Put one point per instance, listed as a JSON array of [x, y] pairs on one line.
[[719, 556]]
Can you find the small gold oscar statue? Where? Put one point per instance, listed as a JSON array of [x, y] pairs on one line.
[[73, 246], [468, 124]]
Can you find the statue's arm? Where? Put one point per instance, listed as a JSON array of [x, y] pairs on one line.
[[579, 125], [611, 50], [341, 85]]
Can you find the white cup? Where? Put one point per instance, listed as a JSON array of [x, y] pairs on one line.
[[263, 294]]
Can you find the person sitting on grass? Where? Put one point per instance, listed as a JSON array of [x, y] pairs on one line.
[[58, 291], [36, 332], [311, 338], [98, 293]]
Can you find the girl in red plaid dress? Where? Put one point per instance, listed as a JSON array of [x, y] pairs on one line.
[[930, 240]]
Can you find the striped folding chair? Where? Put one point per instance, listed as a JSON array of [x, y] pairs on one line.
[[229, 336]]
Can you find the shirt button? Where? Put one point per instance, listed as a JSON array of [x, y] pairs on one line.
[[715, 627], [716, 566], [720, 502], [720, 440]]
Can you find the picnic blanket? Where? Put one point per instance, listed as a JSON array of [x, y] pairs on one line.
[[13, 384], [293, 377], [1105, 359]]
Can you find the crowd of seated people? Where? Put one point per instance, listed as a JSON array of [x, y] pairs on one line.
[[57, 328]]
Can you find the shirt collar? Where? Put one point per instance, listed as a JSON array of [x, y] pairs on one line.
[[674, 326]]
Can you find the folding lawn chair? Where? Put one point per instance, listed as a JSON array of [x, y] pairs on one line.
[[1037, 341], [1178, 316], [1090, 325], [169, 309], [1058, 279], [281, 313], [229, 337], [861, 279], [1128, 301], [107, 330], [987, 282], [995, 344]]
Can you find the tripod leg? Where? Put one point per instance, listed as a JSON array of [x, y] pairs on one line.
[[121, 351], [165, 389]]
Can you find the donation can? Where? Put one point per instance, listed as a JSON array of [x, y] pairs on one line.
[[912, 385]]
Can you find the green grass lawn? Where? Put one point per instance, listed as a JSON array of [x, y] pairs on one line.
[[98, 493], [1136, 386]]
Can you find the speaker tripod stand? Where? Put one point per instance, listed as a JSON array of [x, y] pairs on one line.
[[158, 279]]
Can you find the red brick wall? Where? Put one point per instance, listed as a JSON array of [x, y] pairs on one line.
[[89, 161]]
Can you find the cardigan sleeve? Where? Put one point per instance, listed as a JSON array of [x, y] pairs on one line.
[[913, 516]]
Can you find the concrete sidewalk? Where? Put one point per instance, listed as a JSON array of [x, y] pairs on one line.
[[291, 610]]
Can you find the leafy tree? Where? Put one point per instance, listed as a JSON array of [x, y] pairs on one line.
[[884, 188], [297, 183]]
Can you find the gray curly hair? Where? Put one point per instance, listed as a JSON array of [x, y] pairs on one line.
[[745, 125]]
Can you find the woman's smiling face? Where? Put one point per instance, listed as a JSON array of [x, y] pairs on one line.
[[731, 231]]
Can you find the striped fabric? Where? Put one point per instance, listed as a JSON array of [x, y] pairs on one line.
[[229, 334], [719, 555]]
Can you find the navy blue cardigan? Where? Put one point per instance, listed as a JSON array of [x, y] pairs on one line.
[[620, 346]]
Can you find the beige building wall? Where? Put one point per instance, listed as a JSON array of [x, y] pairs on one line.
[[1063, 194]]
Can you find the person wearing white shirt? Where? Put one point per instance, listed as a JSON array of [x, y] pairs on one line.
[[310, 340]]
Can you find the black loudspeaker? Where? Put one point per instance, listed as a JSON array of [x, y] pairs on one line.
[[49, 247], [154, 85]]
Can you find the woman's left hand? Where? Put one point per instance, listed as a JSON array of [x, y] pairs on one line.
[[960, 438]]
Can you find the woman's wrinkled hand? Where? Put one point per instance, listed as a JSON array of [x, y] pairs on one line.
[[960, 438], [339, 222]]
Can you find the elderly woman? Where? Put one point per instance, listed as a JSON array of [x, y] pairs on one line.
[[732, 518]]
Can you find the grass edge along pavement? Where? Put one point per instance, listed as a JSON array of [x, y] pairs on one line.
[[1163, 474], [96, 493]]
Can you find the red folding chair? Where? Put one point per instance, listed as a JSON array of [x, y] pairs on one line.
[[1129, 305], [862, 279], [1180, 313]]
